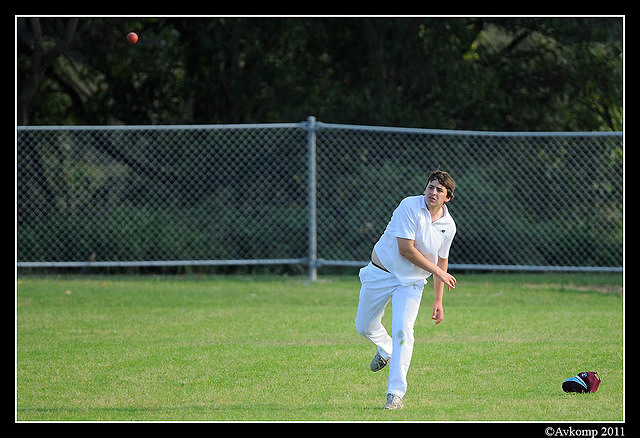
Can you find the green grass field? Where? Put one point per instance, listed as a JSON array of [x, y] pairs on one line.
[[130, 348]]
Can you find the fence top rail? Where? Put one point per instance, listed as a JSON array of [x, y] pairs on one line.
[[321, 125], [159, 127]]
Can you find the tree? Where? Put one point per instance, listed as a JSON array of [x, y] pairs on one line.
[[39, 61], [481, 73]]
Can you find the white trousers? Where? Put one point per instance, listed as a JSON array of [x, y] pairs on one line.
[[378, 287]]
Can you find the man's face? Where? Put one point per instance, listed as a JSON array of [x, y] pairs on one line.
[[435, 194]]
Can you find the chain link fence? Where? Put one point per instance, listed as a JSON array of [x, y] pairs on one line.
[[311, 193]]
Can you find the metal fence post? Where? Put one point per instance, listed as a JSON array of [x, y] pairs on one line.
[[313, 230]]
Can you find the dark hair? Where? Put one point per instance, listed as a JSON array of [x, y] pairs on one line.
[[445, 179]]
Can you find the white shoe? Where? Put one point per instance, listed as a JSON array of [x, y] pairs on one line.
[[393, 402]]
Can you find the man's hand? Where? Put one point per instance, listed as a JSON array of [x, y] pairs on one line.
[[447, 279], [438, 312]]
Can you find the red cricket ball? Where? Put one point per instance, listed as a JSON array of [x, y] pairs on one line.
[[132, 37]]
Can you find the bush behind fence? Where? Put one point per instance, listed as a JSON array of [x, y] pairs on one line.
[[233, 194]]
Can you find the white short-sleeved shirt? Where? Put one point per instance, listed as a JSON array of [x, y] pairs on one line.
[[412, 220]]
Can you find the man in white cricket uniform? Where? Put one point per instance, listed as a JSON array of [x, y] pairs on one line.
[[414, 246]]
